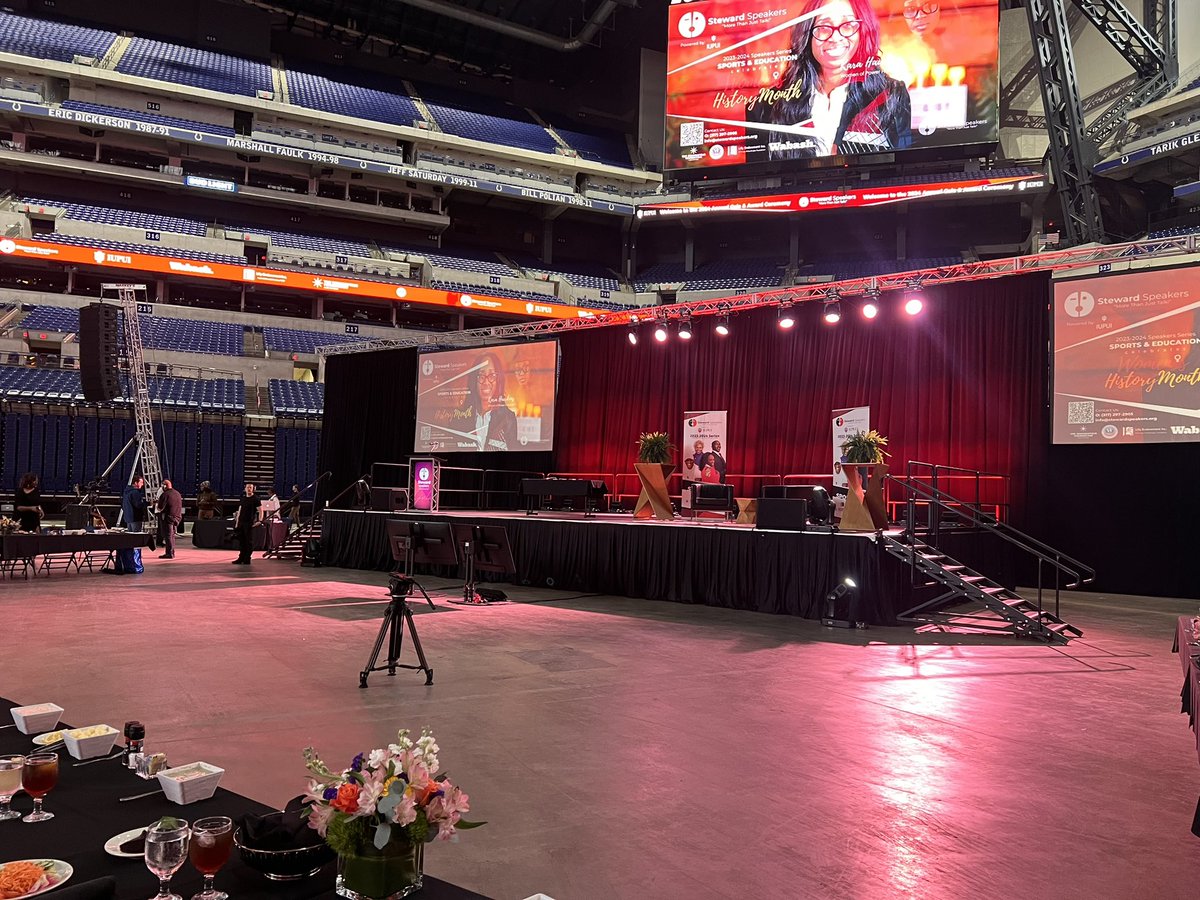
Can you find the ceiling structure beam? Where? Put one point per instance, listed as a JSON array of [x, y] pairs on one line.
[[1054, 261]]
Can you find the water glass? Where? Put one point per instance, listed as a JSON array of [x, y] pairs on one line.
[[39, 775], [10, 783], [166, 850], [212, 842]]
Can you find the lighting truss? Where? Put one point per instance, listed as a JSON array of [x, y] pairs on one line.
[[1054, 261]]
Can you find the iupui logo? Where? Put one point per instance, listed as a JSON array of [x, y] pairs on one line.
[[98, 256], [1079, 304]]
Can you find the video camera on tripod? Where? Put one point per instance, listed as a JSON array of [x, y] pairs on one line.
[[87, 494]]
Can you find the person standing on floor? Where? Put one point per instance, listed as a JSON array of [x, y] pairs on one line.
[[170, 509], [133, 504], [207, 502], [249, 513], [28, 504]]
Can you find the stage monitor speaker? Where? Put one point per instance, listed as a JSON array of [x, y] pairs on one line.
[[385, 499], [782, 515], [99, 351]]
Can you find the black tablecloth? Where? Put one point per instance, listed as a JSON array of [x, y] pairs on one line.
[[87, 813], [216, 534]]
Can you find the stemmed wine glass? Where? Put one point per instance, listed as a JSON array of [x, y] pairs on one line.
[[212, 842], [10, 783], [166, 849], [38, 775]]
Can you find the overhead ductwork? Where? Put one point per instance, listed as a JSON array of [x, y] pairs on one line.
[[582, 38]]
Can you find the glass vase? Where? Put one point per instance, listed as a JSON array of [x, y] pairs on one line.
[[387, 874]]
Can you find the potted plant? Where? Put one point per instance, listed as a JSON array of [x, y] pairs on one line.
[[653, 468], [655, 447], [378, 814], [864, 447]]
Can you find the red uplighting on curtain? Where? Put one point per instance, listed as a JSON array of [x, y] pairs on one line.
[[964, 384]]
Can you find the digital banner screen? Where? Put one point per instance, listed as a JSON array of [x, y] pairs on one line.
[[1127, 358], [487, 399], [764, 81], [865, 197]]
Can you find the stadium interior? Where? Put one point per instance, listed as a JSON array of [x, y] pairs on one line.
[[287, 179]]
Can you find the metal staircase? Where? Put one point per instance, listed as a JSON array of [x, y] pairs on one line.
[[302, 529], [964, 598]]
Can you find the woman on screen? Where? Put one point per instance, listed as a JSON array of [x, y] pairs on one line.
[[495, 423], [710, 475], [834, 89]]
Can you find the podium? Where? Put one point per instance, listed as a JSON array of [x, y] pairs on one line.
[[865, 508], [653, 501], [426, 483]]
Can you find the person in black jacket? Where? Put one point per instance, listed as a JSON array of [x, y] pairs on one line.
[[170, 509], [495, 423], [28, 503], [833, 98], [249, 513]]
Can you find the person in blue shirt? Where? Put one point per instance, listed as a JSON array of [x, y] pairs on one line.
[[133, 504]]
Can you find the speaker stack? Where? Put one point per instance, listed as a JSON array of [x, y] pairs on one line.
[[99, 350]]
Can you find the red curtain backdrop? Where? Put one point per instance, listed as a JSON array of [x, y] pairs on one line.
[[962, 384]]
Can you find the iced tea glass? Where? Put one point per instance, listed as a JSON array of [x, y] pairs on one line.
[[39, 775], [212, 842]]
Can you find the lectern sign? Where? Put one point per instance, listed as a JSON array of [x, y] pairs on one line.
[[845, 423], [426, 476]]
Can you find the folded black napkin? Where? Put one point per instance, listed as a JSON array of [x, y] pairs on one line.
[[285, 830]]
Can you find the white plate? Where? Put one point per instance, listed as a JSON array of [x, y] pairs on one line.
[[59, 873], [113, 845], [50, 737]]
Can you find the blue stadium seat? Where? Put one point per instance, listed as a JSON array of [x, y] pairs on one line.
[[43, 39], [293, 340], [84, 212], [296, 398], [189, 66], [151, 118]]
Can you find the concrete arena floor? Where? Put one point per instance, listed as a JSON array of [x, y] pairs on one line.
[[628, 749]]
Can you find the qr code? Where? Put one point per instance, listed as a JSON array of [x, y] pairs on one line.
[[691, 133], [1081, 412], [426, 432]]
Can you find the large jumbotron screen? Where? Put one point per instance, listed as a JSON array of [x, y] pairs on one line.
[[767, 81], [487, 399], [1127, 358]]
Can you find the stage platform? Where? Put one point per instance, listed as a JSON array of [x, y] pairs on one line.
[[698, 561]]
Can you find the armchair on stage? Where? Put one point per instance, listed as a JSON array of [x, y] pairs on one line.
[[711, 498]]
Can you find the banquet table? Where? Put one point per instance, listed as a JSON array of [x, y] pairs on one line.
[[63, 550], [87, 813], [1188, 647]]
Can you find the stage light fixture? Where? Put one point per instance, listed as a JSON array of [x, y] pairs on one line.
[[685, 328], [870, 307], [660, 332], [632, 335], [786, 317], [722, 326], [833, 311], [914, 300]]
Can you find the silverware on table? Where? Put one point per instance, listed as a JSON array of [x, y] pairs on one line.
[[140, 796], [88, 762]]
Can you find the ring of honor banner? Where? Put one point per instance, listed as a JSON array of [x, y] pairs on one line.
[[845, 423], [703, 448], [752, 81], [1127, 358], [487, 399]]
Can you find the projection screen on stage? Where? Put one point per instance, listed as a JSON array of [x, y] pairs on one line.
[[491, 399], [1127, 358]]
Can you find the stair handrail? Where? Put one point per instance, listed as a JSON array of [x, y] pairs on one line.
[[300, 525], [364, 479], [1043, 552]]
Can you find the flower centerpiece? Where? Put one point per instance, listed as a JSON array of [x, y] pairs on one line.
[[378, 814], [9, 526]]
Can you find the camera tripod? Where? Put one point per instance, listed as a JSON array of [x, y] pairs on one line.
[[395, 618]]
